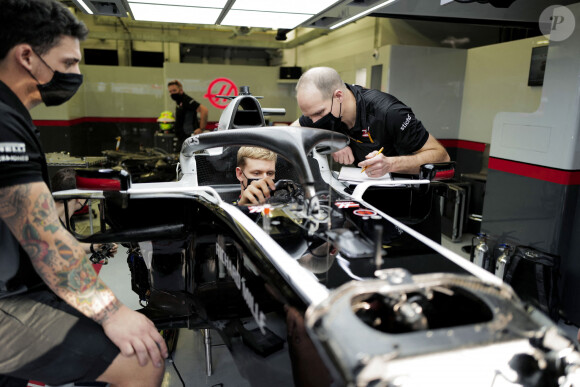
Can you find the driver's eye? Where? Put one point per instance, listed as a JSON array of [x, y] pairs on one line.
[[270, 174]]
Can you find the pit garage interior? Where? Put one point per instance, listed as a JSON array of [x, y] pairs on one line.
[[496, 82]]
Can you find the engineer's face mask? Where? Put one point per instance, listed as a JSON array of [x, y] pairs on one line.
[[329, 121], [61, 87]]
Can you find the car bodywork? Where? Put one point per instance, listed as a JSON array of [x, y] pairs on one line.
[[380, 302]]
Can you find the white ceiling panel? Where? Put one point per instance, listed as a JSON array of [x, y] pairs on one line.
[[264, 19], [295, 6], [187, 3], [174, 14]]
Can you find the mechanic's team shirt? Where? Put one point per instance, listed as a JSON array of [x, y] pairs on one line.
[[381, 121], [22, 161], [186, 120]]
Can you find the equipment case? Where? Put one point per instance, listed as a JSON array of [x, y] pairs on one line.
[[453, 208]]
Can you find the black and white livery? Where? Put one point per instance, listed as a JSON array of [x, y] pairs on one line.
[[359, 267]]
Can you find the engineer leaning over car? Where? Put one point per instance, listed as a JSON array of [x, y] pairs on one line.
[[372, 119]]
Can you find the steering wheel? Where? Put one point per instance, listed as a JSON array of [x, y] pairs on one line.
[[286, 192]]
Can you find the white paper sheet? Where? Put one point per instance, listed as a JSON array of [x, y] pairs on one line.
[[354, 175]]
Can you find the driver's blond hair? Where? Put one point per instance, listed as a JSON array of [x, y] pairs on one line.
[[254, 152]]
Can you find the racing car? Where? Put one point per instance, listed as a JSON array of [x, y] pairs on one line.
[[348, 280]]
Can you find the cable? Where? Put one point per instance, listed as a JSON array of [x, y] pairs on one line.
[[176, 370]]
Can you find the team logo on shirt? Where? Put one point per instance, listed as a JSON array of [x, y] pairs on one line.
[[13, 151], [406, 123], [365, 132]]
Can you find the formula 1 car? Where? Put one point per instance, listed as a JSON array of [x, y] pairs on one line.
[[337, 276]]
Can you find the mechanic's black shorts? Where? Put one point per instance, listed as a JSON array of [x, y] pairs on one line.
[[42, 338]]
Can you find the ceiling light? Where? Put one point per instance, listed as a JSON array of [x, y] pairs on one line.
[[185, 3], [297, 6], [174, 13], [264, 19], [83, 5], [361, 14]]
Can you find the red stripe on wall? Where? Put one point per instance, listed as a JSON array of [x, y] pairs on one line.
[[463, 144], [552, 175], [77, 121], [210, 125]]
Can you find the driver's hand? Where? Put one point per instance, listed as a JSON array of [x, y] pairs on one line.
[[257, 192], [344, 156]]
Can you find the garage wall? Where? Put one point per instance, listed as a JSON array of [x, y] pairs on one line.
[[141, 92], [430, 81], [413, 69], [496, 80]]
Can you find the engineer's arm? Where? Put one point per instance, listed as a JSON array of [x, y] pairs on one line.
[[431, 152], [59, 259]]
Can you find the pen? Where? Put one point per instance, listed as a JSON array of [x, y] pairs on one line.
[[378, 153]]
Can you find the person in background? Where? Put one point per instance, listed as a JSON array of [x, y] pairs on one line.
[[186, 111], [59, 322], [65, 179], [372, 119], [256, 170]]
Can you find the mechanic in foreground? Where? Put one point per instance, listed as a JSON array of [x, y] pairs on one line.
[[372, 119], [256, 170], [91, 336]]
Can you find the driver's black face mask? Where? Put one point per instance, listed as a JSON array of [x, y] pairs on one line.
[[248, 182], [329, 121]]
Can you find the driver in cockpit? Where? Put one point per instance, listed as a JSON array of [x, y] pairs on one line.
[[256, 170]]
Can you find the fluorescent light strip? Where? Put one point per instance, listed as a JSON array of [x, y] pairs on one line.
[[262, 19], [174, 14], [294, 6], [184, 3], [364, 13], [86, 7]]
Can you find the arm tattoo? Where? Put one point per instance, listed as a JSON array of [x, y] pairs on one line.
[[44, 213], [11, 200], [57, 256]]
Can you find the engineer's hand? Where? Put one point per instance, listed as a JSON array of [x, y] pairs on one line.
[[344, 156], [257, 192], [198, 131], [377, 164], [135, 334]]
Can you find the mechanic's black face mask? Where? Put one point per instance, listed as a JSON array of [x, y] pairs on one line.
[[329, 121], [177, 97], [61, 87]]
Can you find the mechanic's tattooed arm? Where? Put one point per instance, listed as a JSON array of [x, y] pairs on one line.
[[59, 259]]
